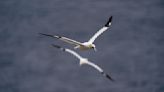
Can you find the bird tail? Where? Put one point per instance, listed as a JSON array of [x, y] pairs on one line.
[[81, 63], [76, 47]]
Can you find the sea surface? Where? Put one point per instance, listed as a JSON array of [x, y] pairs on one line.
[[131, 51]]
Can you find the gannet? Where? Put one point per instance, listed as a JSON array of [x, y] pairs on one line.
[[83, 60], [85, 45]]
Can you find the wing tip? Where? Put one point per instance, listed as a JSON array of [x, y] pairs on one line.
[[110, 78], [107, 76], [109, 21], [59, 47], [46, 34], [54, 36]]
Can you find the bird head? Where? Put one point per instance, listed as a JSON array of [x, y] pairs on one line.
[[93, 47]]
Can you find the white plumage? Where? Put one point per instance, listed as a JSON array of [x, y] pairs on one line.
[[84, 45], [83, 60]]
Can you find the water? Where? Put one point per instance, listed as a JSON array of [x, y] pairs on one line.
[[131, 51]]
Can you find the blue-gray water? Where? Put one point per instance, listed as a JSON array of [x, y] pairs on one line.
[[131, 51]]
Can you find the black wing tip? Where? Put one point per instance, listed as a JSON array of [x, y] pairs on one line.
[[109, 21], [59, 47], [107, 76], [54, 36], [56, 46], [110, 78], [46, 34]]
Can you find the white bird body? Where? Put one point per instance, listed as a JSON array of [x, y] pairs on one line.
[[85, 45], [83, 61]]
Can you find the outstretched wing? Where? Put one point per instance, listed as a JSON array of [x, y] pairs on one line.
[[65, 39], [103, 29], [68, 50], [100, 70], [87, 62]]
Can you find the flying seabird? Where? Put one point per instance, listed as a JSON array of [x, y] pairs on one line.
[[85, 45], [83, 60]]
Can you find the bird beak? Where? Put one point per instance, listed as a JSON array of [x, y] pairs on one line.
[[95, 49]]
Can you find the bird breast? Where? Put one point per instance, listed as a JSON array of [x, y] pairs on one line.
[[88, 45]]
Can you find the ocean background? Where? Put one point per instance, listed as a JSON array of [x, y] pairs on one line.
[[131, 51]]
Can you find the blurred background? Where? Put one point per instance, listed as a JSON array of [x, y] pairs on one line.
[[131, 51]]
